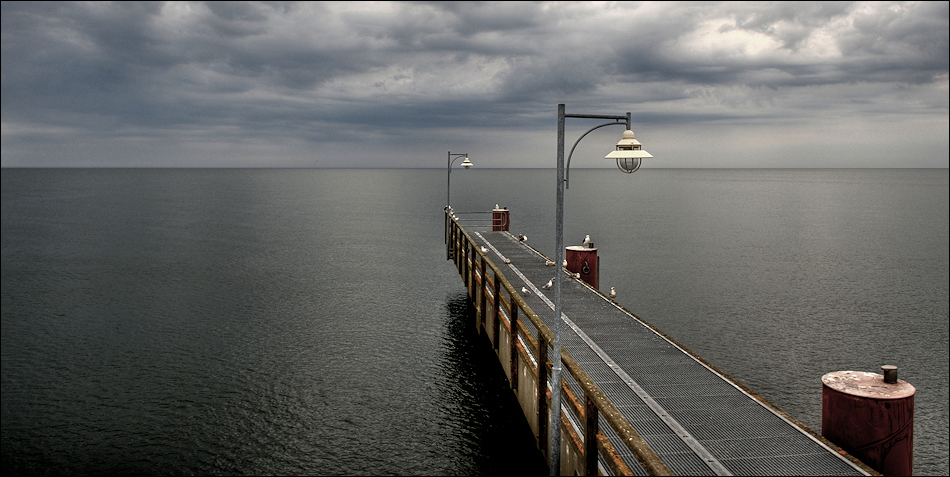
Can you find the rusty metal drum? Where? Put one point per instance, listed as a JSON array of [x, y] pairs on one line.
[[871, 416]]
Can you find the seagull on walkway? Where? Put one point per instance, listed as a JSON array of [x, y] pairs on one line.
[[525, 291], [613, 292], [549, 263], [586, 240], [549, 284]]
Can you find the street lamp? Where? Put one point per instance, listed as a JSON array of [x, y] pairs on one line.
[[628, 154], [448, 183]]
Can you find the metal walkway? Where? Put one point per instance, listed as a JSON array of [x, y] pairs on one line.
[[698, 421]]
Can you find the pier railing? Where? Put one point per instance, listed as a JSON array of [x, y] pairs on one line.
[[478, 219], [501, 314]]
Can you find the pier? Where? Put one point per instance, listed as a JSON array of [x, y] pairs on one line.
[[634, 402]]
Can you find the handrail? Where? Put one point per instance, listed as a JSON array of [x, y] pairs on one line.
[[596, 401]]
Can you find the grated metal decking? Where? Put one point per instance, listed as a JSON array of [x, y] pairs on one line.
[[697, 421]]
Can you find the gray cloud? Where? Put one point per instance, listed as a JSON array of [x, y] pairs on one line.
[[280, 83]]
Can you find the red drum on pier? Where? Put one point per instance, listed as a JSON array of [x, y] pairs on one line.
[[872, 417], [500, 220], [584, 260]]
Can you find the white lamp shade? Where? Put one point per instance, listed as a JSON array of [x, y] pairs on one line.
[[628, 154], [628, 148]]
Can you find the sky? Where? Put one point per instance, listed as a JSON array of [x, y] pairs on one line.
[[393, 84]]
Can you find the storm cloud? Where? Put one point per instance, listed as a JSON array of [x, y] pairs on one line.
[[367, 84]]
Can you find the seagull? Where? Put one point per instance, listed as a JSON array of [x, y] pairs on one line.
[[586, 240], [565, 264], [524, 291], [549, 263], [549, 284], [522, 238], [613, 292], [496, 207], [507, 260], [577, 275], [484, 250]]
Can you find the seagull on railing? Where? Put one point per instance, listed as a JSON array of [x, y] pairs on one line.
[[549, 263], [613, 292], [522, 238], [484, 250]]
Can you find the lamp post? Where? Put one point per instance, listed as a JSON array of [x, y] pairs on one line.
[[448, 184], [448, 181], [628, 154]]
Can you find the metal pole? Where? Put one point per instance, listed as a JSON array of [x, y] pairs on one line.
[[448, 181], [448, 190], [555, 412]]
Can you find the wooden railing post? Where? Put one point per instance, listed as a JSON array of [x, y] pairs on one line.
[[484, 289], [456, 246], [590, 434], [455, 241], [513, 344], [475, 286], [464, 257], [496, 321], [543, 394]]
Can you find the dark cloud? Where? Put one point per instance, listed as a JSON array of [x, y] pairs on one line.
[[314, 74]]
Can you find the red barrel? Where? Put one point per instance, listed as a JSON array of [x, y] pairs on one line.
[[870, 418], [500, 220], [583, 260]]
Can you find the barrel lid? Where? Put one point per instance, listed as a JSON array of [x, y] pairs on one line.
[[581, 248], [869, 385]]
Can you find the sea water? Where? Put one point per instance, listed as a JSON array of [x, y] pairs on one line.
[[305, 321]]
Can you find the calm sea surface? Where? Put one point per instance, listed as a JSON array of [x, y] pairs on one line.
[[306, 321]]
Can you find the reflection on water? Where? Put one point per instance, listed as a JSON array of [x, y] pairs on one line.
[[473, 387]]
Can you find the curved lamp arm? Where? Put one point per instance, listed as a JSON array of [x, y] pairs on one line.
[[567, 169]]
